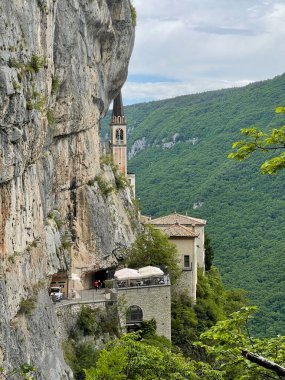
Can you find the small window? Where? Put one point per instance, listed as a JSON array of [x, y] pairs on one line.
[[119, 136], [134, 314], [186, 261]]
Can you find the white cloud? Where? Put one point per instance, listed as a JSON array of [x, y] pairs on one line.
[[201, 43], [142, 92]]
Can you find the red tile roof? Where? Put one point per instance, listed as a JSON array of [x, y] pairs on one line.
[[176, 230], [177, 219]]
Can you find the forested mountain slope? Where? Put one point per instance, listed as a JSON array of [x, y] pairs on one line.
[[178, 151]]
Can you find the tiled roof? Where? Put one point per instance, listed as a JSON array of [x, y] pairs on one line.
[[177, 219], [176, 230]]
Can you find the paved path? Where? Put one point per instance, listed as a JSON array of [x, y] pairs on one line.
[[85, 296]]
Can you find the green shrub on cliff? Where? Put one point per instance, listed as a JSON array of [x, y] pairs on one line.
[[27, 306], [103, 185], [25, 371], [37, 62], [79, 356], [133, 15], [87, 320], [152, 247], [54, 85], [80, 350], [121, 180]]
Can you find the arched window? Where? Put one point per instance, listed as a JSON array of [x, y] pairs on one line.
[[119, 120], [134, 314], [119, 136]]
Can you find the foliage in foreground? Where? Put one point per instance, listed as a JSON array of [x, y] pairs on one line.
[[264, 142], [79, 355], [128, 358], [81, 350], [134, 359], [152, 247], [225, 342], [214, 303], [216, 354]]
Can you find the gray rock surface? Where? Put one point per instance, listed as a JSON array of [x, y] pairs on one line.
[[137, 146], [61, 64]]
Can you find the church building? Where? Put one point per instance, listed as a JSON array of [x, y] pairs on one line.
[[187, 233], [118, 135], [118, 139]]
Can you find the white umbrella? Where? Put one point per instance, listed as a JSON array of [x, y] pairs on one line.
[[126, 274], [150, 271]]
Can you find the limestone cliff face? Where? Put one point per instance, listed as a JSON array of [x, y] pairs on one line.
[[61, 63]]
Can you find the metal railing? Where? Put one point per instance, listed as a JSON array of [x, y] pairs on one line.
[[148, 281], [86, 296]]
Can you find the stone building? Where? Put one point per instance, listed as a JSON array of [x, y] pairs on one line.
[[187, 233], [146, 303], [118, 135], [118, 140], [145, 297]]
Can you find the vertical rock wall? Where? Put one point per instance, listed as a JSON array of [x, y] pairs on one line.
[[61, 64]]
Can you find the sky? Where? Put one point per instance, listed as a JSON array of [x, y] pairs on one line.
[[189, 46]]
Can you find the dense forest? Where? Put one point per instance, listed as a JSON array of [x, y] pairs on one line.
[[178, 150]]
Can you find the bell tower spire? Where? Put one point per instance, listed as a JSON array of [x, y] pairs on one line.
[[118, 136]]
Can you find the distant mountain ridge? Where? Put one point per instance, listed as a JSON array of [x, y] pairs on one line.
[[178, 150]]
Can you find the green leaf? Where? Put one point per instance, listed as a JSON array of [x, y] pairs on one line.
[[280, 109]]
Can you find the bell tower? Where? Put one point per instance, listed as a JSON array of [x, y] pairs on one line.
[[118, 136]]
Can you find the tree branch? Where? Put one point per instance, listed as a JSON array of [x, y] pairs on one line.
[[272, 147], [260, 360]]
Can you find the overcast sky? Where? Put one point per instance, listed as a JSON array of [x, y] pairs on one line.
[[188, 46]]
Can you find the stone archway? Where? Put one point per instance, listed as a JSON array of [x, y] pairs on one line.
[[134, 314], [101, 275]]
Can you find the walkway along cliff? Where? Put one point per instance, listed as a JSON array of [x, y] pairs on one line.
[[61, 64]]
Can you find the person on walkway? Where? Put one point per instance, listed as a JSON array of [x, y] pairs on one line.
[[96, 284]]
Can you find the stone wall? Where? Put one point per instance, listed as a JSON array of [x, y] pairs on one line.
[[155, 302], [188, 279], [200, 246], [68, 314]]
